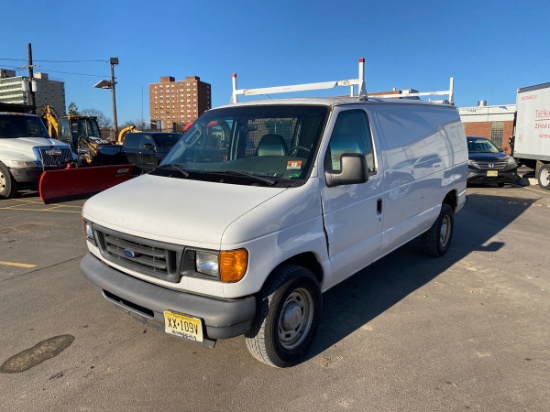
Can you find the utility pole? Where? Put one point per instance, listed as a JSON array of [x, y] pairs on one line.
[[114, 61], [32, 100]]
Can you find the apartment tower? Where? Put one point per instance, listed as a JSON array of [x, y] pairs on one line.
[[173, 103]]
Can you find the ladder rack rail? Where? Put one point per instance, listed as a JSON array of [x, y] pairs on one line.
[[359, 82]]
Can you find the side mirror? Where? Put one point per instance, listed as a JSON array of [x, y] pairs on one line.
[[353, 171]]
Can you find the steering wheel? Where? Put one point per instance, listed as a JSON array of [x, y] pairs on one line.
[[294, 150]]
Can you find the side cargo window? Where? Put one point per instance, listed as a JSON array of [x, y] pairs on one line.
[[351, 135]]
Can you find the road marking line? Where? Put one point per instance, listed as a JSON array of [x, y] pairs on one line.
[[19, 265]]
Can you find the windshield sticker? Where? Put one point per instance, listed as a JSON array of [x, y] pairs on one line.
[[294, 165]]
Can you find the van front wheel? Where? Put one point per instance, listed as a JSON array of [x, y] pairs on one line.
[[287, 318], [437, 239]]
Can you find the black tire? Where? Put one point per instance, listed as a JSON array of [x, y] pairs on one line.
[[437, 239], [8, 185], [287, 319], [544, 177]]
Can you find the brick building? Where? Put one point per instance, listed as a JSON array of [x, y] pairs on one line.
[[175, 103], [493, 122]]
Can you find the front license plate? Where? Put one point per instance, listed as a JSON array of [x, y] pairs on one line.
[[492, 172], [184, 326]]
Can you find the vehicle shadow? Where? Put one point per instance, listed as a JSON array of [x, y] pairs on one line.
[[368, 294]]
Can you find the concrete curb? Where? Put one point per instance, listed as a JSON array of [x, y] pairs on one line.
[[526, 181]]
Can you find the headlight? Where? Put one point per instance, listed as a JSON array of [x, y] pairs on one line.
[[511, 161], [207, 263], [229, 266], [88, 230]]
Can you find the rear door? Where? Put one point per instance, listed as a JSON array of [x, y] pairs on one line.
[[352, 213]]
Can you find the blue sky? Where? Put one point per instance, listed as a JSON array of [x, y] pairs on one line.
[[490, 47]]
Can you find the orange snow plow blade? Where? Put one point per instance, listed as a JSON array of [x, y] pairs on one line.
[[59, 185]]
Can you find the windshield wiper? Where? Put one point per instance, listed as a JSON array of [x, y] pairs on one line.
[[265, 180], [175, 167]]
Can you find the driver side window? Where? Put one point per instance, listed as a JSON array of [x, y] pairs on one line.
[[351, 135]]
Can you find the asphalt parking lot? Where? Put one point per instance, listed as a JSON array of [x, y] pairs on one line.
[[468, 331]]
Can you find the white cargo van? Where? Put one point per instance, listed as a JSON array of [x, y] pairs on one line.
[[262, 206]]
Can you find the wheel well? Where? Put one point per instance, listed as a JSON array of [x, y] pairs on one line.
[[451, 200], [306, 260]]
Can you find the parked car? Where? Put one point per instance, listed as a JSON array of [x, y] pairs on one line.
[[145, 149], [487, 164]]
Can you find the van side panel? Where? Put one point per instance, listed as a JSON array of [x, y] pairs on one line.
[[424, 153]]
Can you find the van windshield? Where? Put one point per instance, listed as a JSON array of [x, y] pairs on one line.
[[273, 145]]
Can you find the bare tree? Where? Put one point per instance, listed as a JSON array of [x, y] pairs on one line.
[[104, 121], [72, 109]]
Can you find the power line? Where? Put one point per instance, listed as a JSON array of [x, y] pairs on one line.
[[59, 61], [78, 74], [73, 61]]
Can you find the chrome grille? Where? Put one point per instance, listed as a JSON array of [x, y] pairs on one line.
[[501, 165], [157, 259], [55, 157]]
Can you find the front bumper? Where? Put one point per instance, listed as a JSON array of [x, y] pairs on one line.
[[481, 177], [26, 174], [222, 318], [30, 175]]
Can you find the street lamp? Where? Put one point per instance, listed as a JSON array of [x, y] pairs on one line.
[[110, 84]]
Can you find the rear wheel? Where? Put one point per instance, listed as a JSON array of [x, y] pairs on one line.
[[287, 318], [437, 239], [544, 177], [8, 185]]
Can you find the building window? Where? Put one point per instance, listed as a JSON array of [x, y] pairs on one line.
[[497, 131]]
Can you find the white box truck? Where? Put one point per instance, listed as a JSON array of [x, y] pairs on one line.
[[531, 139], [262, 206]]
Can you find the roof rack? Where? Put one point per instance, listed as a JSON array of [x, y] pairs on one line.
[[407, 94], [359, 82]]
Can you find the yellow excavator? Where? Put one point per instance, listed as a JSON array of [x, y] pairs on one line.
[[82, 133]]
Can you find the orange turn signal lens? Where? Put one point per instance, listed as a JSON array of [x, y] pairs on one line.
[[233, 265]]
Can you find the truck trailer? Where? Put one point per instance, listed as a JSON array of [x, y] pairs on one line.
[[531, 139]]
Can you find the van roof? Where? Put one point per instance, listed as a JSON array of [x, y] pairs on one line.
[[335, 101]]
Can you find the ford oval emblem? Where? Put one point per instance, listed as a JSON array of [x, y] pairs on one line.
[[130, 254]]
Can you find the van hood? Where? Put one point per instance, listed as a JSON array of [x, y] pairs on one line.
[[188, 212]]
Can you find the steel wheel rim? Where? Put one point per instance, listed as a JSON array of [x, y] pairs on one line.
[[295, 319], [3, 181], [545, 176], [445, 232]]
